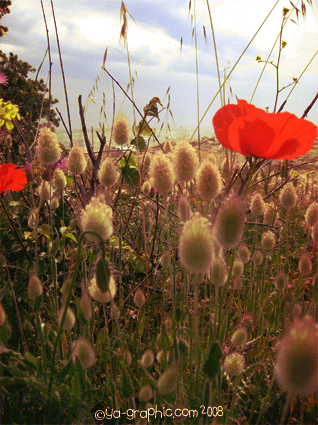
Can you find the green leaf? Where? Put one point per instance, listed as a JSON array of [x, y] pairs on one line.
[[212, 364], [55, 246], [140, 143], [37, 303], [71, 236], [64, 372], [126, 385], [76, 388], [130, 174]]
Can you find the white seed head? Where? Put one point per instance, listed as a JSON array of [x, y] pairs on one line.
[[257, 205], [84, 351], [196, 245], [161, 172], [288, 197], [208, 181], [76, 162], [97, 218], [186, 162], [48, 149]]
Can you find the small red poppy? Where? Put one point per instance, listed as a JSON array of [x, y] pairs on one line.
[[253, 132], [12, 178]]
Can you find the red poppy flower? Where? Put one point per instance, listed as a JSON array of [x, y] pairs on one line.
[[253, 132], [12, 178]]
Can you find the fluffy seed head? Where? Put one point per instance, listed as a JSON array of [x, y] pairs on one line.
[[32, 220], [59, 179], [76, 162], [167, 382], [314, 233], [238, 283], [98, 295], [258, 258], [2, 315], [165, 260], [311, 216], [244, 253], [86, 306], [108, 173], [234, 364], [139, 298], [44, 191], [270, 214], [184, 209], [147, 358], [84, 351], [239, 338], [288, 197], [54, 203], [238, 267], [69, 319], [281, 281], [257, 205], [297, 359], [268, 241], [147, 162], [128, 357], [305, 265], [186, 162], [35, 288], [218, 272], [97, 217], [167, 147], [121, 131], [229, 226], [209, 182], [196, 245], [48, 149], [146, 188], [145, 393], [161, 174]]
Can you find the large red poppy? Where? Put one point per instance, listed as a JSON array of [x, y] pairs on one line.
[[12, 178], [253, 132]]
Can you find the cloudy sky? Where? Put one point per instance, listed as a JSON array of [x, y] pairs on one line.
[[87, 28]]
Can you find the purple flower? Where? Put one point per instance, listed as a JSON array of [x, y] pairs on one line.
[[3, 79]]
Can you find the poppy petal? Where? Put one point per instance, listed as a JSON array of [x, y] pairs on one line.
[[225, 116], [253, 132], [12, 178]]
